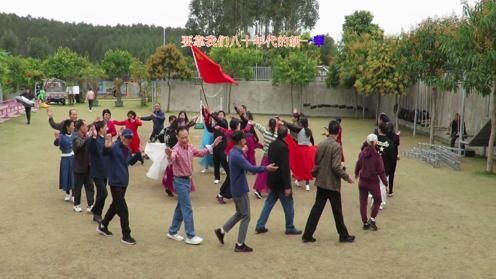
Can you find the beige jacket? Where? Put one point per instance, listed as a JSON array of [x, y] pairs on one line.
[[328, 160]]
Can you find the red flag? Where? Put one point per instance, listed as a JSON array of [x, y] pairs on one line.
[[210, 71]]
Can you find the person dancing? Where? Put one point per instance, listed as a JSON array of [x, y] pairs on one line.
[[269, 135], [132, 123]]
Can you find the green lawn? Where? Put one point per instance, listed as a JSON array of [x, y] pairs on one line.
[[440, 223]]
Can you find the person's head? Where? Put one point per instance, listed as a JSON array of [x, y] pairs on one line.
[[221, 114], [383, 128], [457, 116], [106, 114], [239, 138], [172, 118], [100, 128], [91, 89], [234, 124], [338, 120], [127, 137], [390, 129], [131, 115], [81, 126], [67, 127], [372, 140], [383, 118], [244, 108], [282, 132], [333, 127], [272, 125], [73, 114], [156, 107], [182, 115], [304, 125], [183, 136], [249, 115]]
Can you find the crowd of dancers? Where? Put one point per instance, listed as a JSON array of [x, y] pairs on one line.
[[97, 154]]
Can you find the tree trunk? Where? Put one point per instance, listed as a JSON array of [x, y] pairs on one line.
[[168, 96], [118, 93], [229, 99], [433, 115], [492, 137], [377, 109], [292, 103], [363, 107], [356, 102], [397, 112], [301, 98]]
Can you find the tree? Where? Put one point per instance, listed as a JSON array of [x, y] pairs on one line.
[[139, 75], [9, 42], [429, 61], [90, 76], [39, 47], [168, 63], [328, 51], [64, 64], [475, 54], [117, 66], [237, 62], [381, 75], [298, 69]]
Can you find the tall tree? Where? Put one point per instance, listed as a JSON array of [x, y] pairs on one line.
[[298, 69], [65, 64], [117, 66], [139, 75], [168, 63]]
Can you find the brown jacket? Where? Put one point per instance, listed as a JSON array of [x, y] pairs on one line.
[[328, 160]]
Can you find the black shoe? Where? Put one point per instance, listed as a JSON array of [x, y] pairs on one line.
[[169, 193], [372, 225], [243, 248], [128, 240], [220, 236], [347, 239], [261, 230], [366, 226], [97, 218], [293, 232], [101, 229], [308, 240]]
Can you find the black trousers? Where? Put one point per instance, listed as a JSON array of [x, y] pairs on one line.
[[321, 198], [79, 180], [391, 177], [220, 159], [154, 136], [28, 114], [118, 207], [90, 104], [101, 195]]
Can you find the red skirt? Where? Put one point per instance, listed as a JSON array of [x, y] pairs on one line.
[[301, 159]]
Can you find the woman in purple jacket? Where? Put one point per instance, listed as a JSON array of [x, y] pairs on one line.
[[370, 169]]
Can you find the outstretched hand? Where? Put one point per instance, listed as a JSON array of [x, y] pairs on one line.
[[217, 141], [272, 168], [168, 152], [50, 113]]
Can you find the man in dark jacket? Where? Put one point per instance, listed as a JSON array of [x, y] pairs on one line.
[[329, 173], [387, 150], [98, 168], [455, 130], [279, 183], [119, 158], [370, 169], [58, 126], [158, 118], [82, 167]]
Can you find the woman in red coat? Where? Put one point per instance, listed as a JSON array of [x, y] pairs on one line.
[[132, 122]]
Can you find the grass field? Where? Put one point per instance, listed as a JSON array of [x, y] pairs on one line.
[[439, 224]]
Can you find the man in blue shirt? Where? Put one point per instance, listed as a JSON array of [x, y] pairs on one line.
[[238, 166], [158, 118]]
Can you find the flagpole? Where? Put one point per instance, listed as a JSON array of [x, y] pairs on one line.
[[198, 71]]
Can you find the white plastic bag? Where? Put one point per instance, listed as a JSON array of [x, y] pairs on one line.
[[156, 152]]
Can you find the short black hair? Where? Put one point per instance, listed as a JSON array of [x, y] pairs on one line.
[[172, 118], [333, 127], [383, 127], [237, 136], [65, 126], [70, 111], [106, 111], [132, 113], [99, 125], [234, 123], [282, 132], [79, 123], [338, 120], [221, 111], [182, 128]]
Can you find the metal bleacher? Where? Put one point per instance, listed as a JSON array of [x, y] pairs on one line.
[[436, 155]]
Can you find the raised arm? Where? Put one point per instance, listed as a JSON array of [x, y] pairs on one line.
[[119, 123], [146, 118], [292, 127], [260, 128]]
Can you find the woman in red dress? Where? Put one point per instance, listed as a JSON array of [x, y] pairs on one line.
[[132, 122]]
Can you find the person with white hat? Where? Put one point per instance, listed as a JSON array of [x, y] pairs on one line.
[[370, 169]]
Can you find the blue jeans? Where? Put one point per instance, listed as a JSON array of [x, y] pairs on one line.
[[184, 211], [287, 205]]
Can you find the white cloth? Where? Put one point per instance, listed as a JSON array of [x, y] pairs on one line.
[[156, 152]]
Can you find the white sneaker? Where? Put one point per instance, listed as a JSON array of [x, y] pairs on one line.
[[77, 208], [383, 204], [216, 181], [89, 208], [72, 198], [175, 237], [194, 241], [67, 197], [204, 170], [307, 187], [297, 183]]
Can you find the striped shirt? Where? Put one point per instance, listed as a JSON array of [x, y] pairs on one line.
[[268, 136]]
